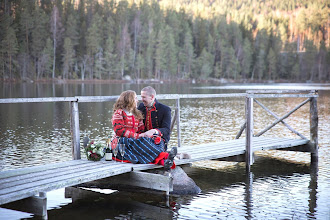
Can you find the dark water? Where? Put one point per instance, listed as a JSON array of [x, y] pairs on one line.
[[281, 185]]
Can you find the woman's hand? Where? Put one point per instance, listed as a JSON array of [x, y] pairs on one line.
[[142, 135]]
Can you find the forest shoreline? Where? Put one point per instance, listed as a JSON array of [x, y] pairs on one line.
[[153, 81], [165, 40]]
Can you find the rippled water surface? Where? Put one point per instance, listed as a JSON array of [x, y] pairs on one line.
[[281, 185]]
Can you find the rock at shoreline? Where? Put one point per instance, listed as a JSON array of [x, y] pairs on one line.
[[182, 183]]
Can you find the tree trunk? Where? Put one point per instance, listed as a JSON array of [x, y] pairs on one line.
[[54, 59], [10, 66]]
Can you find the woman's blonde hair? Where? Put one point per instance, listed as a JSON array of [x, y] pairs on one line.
[[126, 100]]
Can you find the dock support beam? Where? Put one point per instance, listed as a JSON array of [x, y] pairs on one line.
[[314, 121], [134, 179], [75, 132], [249, 133]]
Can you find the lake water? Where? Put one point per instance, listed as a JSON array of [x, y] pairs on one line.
[[281, 184]]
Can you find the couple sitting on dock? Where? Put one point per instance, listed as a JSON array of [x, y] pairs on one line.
[[144, 129]]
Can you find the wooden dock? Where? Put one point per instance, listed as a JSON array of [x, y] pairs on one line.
[[24, 184]]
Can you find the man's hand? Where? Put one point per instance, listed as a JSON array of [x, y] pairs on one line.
[[150, 133]]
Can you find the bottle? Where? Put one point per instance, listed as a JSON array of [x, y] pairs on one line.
[[108, 154]]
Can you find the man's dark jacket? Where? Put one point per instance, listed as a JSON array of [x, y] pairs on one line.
[[160, 119]]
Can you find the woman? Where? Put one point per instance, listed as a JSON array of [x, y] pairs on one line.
[[128, 125]]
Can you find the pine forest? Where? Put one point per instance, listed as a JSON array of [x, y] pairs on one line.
[[238, 40]]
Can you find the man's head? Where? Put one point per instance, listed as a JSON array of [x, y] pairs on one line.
[[148, 95]]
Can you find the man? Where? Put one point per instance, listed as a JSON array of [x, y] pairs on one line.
[[157, 116]]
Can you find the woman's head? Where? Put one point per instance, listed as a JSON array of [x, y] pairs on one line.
[[128, 100]]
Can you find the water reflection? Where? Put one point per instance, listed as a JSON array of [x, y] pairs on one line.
[[313, 190], [118, 205], [274, 189]]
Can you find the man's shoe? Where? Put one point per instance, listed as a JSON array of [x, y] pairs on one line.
[[168, 163], [172, 153]]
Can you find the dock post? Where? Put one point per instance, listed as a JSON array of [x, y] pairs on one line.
[[43, 196], [249, 133], [75, 132], [36, 205], [314, 120], [178, 121]]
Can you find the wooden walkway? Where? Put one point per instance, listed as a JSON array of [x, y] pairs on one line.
[[23, 185], [26, 182]]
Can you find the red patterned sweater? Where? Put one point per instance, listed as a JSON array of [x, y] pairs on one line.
[[126, 126]]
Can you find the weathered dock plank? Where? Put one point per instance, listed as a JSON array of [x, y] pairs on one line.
[[26, 182], [234, 147], [47, 174], [35, 170], [27, 189]]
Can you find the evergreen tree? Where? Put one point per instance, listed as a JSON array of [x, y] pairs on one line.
[[286, 61], [25, 21], [217, 69], [149, 60], [204, 65], [71, 30], [246, 61], [308, 61], [123, 50], [171, 55], [70, 47], [188, 55], [82, 30], [139, 66], [271, 60], [6, 22], [9, 49], [99, 64], [93, 42], [260, 65], [39, 36], [295, 71], [200, 32], [232, 68], [109, 59], [25, 25], [322, 64], [160, 55], [57, 31], [68, 58], [261, 45], [136, 33], [46, 60]]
